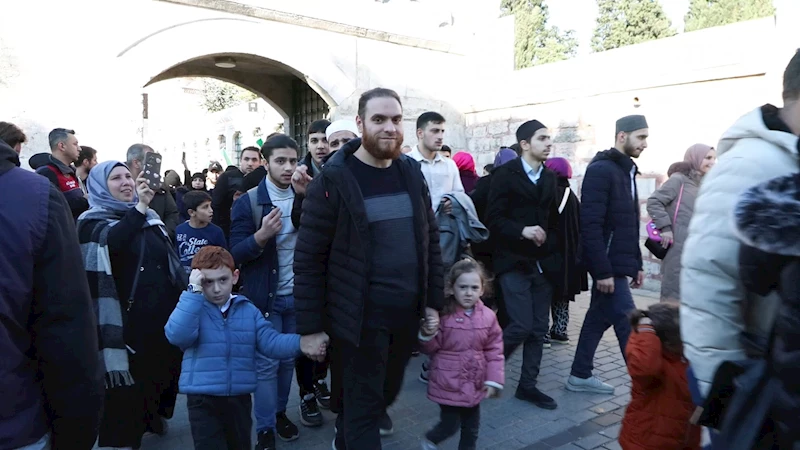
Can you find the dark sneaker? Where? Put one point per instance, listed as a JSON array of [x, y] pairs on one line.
[[536, 397], [266, 441], [158, 426], [423, 374], [559, 338], [287, 430], [385, 425], [323, 394], [338, 441], [309, 412]]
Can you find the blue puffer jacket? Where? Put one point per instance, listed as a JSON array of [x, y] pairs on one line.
[[220, 353], [610, 217]]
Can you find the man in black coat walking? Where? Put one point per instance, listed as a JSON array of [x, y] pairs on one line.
[[368, 267], [523, 220]]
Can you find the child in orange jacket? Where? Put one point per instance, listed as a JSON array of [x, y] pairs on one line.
[[658, 415]]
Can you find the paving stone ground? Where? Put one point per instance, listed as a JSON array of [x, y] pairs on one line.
[[581, 422]]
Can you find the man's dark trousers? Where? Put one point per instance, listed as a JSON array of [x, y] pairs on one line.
[[527, 298], [605, 310], [220, 422], [367, 378]]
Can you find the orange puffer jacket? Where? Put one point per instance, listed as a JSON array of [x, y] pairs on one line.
[[658, 415]]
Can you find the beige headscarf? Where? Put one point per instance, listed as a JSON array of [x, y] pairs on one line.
[[696, 154]]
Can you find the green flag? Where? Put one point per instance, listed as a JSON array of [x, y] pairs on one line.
[[260, 142]]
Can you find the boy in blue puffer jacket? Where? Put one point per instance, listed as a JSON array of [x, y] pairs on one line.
[[220, 334]]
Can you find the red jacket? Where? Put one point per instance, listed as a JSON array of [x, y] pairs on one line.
[[658, 415], [466, 354]]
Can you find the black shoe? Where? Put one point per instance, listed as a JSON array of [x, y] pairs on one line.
[[385, 425], [287, 430], [536, 397], [309, 413], [158, 426], [323, 394], [423, 373], [559, 338], [266, 441]]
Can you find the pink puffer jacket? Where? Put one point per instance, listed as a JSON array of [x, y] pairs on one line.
[[466, 354]]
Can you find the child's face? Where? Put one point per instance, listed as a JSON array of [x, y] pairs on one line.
[[218, 284], [468, 289], [203, 213]]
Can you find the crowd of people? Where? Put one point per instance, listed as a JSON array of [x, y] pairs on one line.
[[342, 265]]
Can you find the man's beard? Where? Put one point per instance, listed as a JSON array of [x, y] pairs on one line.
[[382, 149], [629, 149]]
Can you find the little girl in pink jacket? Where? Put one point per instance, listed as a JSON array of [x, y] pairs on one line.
[[467, 363]]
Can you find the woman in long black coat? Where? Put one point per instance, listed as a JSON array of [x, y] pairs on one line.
[[572, 279], [135, 278]]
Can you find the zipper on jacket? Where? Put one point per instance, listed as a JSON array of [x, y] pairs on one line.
[[608, 246], [365, 291], [228, 346]]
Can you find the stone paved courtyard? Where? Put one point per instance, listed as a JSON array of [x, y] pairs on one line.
[[581, 422]]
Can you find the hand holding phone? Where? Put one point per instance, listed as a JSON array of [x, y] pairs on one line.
[[152, 170]]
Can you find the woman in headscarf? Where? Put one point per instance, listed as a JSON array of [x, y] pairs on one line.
[[570, 279], [135, 278], [678, 193], [466, 168]]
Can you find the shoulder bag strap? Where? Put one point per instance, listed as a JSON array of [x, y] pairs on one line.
[[138, 271], [678, 207], [564, 201], [256, 209]]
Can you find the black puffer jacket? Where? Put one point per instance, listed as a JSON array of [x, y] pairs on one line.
[[768, 224], [331, 265]]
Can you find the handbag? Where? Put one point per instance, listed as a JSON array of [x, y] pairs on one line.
[[653, 242]]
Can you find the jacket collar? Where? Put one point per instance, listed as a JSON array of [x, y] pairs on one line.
[[262, 193], [8, 158], [65, 169]]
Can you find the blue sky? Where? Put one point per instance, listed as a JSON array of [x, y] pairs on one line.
[[579, 15]]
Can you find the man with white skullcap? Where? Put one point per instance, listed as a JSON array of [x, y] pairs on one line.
[[324, 138], [341, 132]]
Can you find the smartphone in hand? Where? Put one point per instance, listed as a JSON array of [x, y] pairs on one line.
[[152, 170]]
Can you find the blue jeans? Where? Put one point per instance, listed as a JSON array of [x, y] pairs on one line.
[[275, 376], [605, 310]]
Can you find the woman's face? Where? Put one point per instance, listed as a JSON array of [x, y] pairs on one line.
[[198, 184], [121, 184], [708, 161]]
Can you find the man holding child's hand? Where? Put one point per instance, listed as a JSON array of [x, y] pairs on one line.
[[220, 334]]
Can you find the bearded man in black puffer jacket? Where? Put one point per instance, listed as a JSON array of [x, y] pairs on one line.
[[368, 267]]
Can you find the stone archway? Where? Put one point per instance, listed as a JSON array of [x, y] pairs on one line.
[[302, 88]]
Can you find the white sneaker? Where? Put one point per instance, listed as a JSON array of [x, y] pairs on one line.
[[428, 445], [591, 384]]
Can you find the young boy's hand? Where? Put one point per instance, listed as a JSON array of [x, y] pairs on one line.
[[196, 277], [490, 392], [314, 346]]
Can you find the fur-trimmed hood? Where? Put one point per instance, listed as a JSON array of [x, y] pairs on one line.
[[767, 216]]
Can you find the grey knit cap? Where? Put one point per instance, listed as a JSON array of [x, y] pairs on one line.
[[631, 123]]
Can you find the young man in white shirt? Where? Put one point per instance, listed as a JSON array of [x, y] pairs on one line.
[[441, 173]]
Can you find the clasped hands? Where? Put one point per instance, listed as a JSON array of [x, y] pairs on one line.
[[315, 346], [430, 324], [535, 233]]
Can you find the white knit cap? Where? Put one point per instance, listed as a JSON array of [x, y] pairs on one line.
[[341, 125]]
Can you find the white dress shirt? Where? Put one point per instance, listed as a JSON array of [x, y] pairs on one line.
[[441, 174]]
